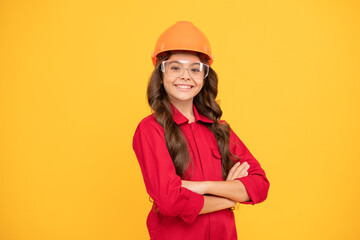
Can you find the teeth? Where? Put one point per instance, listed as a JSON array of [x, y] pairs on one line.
[[182, 86]]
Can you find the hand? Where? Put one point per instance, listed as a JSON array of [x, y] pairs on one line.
[[233, 203], [195, 186], [238, 171]]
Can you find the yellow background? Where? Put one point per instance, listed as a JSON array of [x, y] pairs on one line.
[[73, 77]]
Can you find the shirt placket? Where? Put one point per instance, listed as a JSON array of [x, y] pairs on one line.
[[205, 154], [200, 141]]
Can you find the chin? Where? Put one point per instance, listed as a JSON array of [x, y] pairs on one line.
[[182, 98]]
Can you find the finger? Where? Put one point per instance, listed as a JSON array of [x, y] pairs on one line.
[[243, 171], [231, 172], [236, 173]]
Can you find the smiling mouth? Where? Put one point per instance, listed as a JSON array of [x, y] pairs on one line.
[[183, 86]]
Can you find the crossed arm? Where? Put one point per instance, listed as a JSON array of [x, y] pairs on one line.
[[220, 195]]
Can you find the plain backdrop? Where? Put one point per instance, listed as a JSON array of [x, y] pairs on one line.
[[73, 77]]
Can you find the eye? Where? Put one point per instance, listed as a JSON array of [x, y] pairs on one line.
[[195, 70], [175, 68]]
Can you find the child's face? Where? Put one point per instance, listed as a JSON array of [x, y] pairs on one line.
[[184, 87]]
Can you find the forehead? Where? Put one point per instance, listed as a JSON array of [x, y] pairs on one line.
[[184, 56]]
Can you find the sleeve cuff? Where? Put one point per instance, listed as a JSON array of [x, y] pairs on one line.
[[250, 186], [193, 207]]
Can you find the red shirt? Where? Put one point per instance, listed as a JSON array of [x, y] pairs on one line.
[[178, 208]]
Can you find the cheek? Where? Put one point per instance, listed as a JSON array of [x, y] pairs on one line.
[[200, 84], [166, 80], [199, 87], [167, 84]]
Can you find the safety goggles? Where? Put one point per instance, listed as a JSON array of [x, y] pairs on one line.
[[196, 70]]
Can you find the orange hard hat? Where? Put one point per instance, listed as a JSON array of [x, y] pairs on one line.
[[183, 35]]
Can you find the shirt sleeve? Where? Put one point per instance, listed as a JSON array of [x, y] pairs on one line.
[[256, 183], [160, 178]]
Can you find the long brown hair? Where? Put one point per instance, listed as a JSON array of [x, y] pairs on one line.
[[206, 105]]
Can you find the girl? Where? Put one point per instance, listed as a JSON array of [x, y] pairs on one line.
[[195, 168]]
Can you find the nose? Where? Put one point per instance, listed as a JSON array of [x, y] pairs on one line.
[[185, 74]]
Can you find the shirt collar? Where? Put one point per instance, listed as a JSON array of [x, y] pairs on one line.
[[179, 118]]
